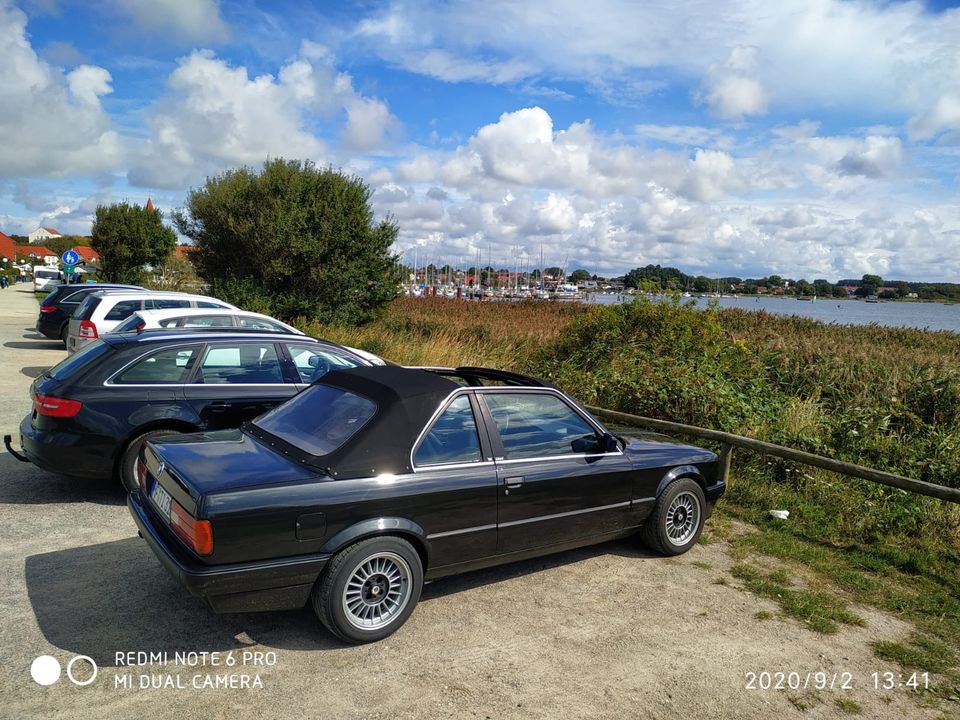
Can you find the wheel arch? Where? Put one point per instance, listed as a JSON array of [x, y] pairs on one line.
[[381, 527], [682, 471]]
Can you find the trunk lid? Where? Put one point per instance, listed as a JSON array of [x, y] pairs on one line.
[[205, 463]]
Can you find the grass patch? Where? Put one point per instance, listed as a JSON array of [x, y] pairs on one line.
[[721, 580], [702, 564], [763, 615], [922, 653], [818, 610], [849, 705]]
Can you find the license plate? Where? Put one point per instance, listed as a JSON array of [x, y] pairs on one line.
[[161, 499]]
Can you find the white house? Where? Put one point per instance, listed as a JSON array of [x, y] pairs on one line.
[[42, 234]]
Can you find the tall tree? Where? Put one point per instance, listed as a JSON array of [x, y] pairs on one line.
[[292, 240], [128, 237]]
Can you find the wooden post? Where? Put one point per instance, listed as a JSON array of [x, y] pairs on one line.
[[726, 456]]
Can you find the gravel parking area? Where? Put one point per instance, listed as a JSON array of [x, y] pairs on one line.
[[608, 631]]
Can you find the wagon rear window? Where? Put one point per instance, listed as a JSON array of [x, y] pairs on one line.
[[319, 420]]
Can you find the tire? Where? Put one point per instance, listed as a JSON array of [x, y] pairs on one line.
[[128, 459], [676, 522], [350, 609]]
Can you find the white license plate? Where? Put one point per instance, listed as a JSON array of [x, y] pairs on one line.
[[161, 499]]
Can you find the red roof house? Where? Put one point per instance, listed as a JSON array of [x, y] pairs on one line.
[[87, 254], [8, 248]]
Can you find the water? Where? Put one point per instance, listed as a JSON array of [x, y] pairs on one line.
[[925, 316]]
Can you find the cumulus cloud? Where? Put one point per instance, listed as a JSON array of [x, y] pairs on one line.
[[183, 20], [216, 116], [52, 123], [730, 89], [878, 156]]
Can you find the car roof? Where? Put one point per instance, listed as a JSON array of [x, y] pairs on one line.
[[164, 335], [406, 400], [188, 312]]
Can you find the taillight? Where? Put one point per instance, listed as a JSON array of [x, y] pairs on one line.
[[88, 330], [141, 325], [198, 534], [142, 475], [47, 308], [56, 407]]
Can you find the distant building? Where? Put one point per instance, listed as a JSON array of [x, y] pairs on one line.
[[42, 234], [40, 254], [87, 254]]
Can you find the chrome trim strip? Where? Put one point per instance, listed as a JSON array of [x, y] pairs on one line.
[[454, 466], [462, 531], [564, 514], [557, 457]]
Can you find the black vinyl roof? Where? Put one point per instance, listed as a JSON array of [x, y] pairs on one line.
[[406, 399]]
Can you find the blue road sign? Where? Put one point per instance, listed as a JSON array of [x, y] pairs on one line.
[[70, 257]]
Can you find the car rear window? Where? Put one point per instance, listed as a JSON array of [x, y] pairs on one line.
[[87, 307], [90, 353], [319, 420], [129, 325]]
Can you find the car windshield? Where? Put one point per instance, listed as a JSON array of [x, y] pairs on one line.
[[47, 274], [319, 420], [90, 353]]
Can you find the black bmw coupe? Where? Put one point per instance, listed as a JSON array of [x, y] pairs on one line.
[[374, 479]]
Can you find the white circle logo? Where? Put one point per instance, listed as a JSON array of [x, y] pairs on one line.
[[45, 670], [75, 681]]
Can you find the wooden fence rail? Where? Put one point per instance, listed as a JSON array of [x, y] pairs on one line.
[[728, 441]]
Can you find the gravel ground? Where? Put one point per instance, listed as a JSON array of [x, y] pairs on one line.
[[607, 631]]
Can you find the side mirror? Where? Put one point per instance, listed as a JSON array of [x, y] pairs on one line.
[[586, 444], [609, 443]]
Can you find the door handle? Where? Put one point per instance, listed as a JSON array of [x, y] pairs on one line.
[[220, 406], [513, 482]]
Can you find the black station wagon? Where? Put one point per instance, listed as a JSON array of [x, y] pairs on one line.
[[374, 479], [93, 411]]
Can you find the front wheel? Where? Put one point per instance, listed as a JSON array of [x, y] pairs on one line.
[[128, 460], [369, 589], [676, 522]]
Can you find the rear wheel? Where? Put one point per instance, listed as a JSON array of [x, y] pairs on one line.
[[128, 460], [677, 521], [369, 589]]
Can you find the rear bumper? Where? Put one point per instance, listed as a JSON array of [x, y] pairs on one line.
[[64, 452], [50, 327], [283, 584]]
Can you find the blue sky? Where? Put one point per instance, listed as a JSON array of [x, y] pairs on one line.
[[811, 138]]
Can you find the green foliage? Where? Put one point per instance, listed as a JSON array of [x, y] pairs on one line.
[[578, 275], [127, 238], [293, 241]]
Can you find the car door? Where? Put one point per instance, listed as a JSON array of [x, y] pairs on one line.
[[555, 483], [454, 471], [235, 381]]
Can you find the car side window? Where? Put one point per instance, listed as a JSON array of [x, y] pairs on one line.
[[240, 363], [166, 304], [123, 309], [453, 437], [207, 321], [260, 324], [209, 305], [167, 366], [535, 425], [314, 361]]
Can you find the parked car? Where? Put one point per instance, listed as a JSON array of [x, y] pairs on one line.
[[375, 479], [45, 277], [202, 319], [58, 307], [93, 411], [101, 312]]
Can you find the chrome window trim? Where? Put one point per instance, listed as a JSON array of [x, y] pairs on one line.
[[504, 389], [109, 381], [433, 418]]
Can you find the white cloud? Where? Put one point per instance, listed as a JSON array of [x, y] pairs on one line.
[[51, 123], [216, 116], [730, 89], [184, 20]]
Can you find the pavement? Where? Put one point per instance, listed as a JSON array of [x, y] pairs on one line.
[[601, 632]]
